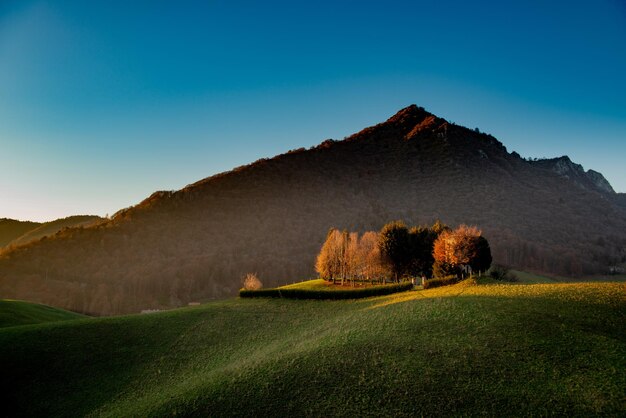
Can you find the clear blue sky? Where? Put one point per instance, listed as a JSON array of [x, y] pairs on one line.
[[102, 103]]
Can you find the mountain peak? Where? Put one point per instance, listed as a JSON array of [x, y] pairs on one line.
[[398, 126], [410, 114]]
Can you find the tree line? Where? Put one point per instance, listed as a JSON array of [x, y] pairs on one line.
[[397, 252]]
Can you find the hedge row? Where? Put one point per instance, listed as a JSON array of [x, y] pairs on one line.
[[326, 294], [442, 281]]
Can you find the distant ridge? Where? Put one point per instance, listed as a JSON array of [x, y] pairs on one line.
[[14, 233], [271, 217], [566, 168], [11, 229]]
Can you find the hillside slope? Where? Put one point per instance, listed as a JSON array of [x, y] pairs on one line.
[[47, 229], [271, 217], [466, 350], [11, 229], [17, 312]]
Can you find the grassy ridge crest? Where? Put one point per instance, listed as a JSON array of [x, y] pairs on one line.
[[17, 312], [312, 289]]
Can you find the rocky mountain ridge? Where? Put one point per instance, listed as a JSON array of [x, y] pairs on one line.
[[566, 168]]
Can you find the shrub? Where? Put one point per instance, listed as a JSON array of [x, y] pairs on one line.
[[498, 272], [327, 294], [502, 273], [442, 269], [252, 282], [441, 281]]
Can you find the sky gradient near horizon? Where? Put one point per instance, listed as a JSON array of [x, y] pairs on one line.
[[103, 103]]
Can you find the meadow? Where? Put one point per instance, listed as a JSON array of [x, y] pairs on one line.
[[323, 289], [470, 349], [17, 312]]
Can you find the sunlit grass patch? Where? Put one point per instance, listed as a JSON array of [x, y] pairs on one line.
[[588, 292], [328, 292], [594, 292], [383, 301], [315, 284]]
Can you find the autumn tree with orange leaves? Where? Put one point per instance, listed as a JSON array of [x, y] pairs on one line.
[[346, 256], [330, 263], [465, 246]]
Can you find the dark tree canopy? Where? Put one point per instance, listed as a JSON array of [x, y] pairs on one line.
[[394, 245], [409, 252], [422, 240], [482, 259]]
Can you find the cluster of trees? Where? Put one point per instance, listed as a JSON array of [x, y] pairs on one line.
[[346, 256], [398, 252], [459, 249]]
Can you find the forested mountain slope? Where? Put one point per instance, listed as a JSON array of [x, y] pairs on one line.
[[271, 217]]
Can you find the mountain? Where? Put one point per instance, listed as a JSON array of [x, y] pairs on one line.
[[270, 217]]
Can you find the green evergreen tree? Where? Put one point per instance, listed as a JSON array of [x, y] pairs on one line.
[[394, 245], [482, 256], [421, 241]]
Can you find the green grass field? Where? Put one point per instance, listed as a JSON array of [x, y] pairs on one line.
[[489, 349], [526, 277], [321, 284], [16, 312], [316, 284]]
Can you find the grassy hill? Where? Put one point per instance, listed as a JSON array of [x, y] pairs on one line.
[[16, 312], [467, 349], [533, 278]]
